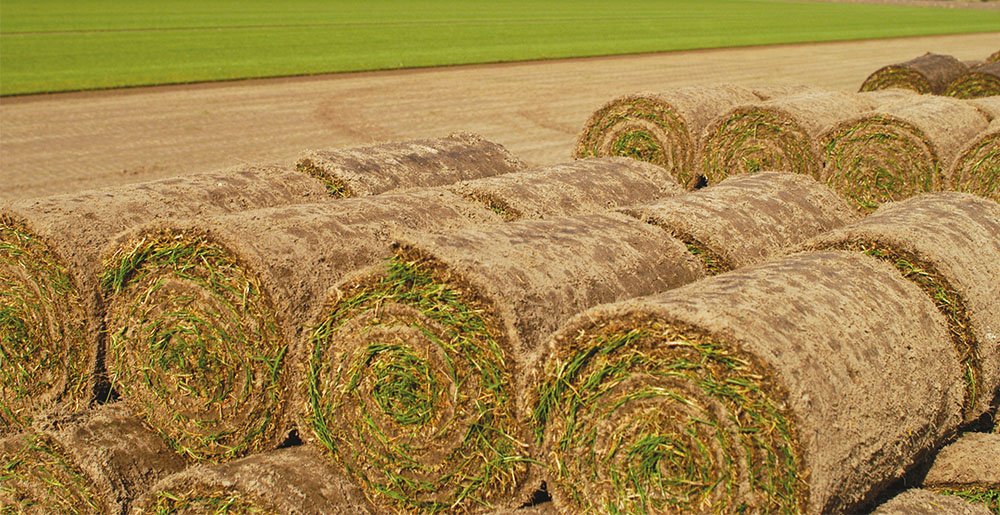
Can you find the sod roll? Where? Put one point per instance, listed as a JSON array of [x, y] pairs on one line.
[[780, 135], [291, 480], [748, 219], [949, 245], [917, 501], [902, 148], [356, 172], [583, 186], [968, 469], [977, 169], [50, 262], [660, 128], [989, 106], [980, 81], [89, 462], [415, 382], [201, 314], [929, 73], [994, 57], [805, 384]]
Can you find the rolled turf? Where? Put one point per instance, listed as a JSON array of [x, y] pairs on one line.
[[660, 128], [202, 314], [50, 262], [90, 462], [357, 172], [779, 135], [802, 385], [415, 382], [929, 73], [748, 219], [917, 501], [291, 480], [582, 186], [948, 244], [977, 169], [994, 57], [980, 81], [968, 469], [904, 147], [50, 248]]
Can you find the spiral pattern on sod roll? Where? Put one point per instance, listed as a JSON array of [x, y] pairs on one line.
[[642, 128], [638, 416], [750, 140], [193, 345], [878, 159], [409, 390], [36, 475], [44, 352]]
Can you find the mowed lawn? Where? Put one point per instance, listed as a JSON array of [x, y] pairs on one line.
[[60, 45]]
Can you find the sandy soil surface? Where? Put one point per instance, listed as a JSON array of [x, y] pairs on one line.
[[66, 142]]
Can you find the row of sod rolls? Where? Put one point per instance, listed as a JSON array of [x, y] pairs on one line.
[[806, 384], [664, 128], [415, 386], [88, 462], [204, 317], [801, 385], [870, 147], [50, 252]]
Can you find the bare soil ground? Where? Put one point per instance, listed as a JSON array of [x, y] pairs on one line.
[[61, 143]]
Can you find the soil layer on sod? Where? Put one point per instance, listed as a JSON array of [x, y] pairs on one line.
[[948, 244], [748, 219], [201, 314], [918, 501], [980, 81], [578, 187], [660, 128], [291, 480], [977, 169], [904, 147], [418, 365], [802, 385], [89, 462], [50, 306], [968, 469], [780, 134], [929, 73], [357, 172]]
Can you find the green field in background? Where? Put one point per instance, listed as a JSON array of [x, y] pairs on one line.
[[60, 45]]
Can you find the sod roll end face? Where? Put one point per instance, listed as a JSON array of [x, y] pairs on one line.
[[929, 73], [981, 81], [192, 345], [36, 474], [977, 169], [45, 352], [410, 391]]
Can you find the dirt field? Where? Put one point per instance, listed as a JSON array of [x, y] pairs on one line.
[[61, 143]]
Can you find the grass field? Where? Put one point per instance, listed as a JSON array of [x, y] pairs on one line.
[[60, 45]]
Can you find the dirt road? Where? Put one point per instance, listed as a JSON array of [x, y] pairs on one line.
[[61, 143]]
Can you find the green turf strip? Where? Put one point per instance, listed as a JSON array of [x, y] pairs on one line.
[[61, 45]]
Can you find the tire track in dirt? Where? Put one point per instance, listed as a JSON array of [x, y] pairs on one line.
[[60, 143]]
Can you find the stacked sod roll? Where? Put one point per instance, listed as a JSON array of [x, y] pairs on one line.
[[748, 219], [980, 81], [417, 365], [204, 316], [291, 480], [903, 147], [366, 171], [50, 304], [918, 501], [948, 244], [50, 260], [585, 186], [994, 57], [780, 134], [968, 469], [660, 128], [89, 462], [929, 73], [801, 385], [977, 168]]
